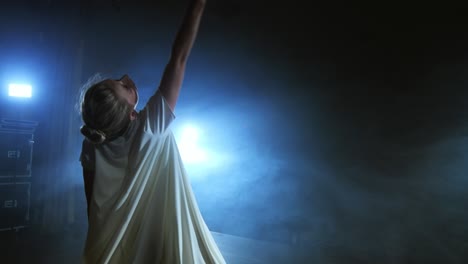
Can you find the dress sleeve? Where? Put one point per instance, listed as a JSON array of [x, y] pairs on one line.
[[87, 157], [157, 115]]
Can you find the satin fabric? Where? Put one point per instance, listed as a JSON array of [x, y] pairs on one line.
[[142, 208]]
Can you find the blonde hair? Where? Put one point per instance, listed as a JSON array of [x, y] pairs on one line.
[[105, 115]]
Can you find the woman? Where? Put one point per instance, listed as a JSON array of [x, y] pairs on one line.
[[141, 208]]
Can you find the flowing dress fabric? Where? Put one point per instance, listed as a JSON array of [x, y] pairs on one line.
[[142, 208]]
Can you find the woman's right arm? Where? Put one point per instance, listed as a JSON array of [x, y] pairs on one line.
[[173, 75]]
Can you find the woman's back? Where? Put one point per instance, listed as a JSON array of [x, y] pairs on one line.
[[143, 209]]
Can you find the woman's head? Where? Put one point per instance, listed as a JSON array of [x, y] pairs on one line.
[[107, 109]]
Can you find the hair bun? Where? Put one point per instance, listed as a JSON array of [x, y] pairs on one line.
[[93, 135]]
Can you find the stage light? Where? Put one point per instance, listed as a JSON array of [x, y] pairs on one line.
[[190, 151], [20, 90]]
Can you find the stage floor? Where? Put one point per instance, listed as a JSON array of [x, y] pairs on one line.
[[239, 250], [66, 247]]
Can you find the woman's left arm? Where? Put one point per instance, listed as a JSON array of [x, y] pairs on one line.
[[173, 76]]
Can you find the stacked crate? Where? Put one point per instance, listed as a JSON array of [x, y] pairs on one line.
[[16, 148]]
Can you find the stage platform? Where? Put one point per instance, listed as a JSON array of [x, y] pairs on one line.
[[239, 250], [66, 247]]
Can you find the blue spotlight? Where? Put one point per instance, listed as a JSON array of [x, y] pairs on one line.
[[190, 151], [20, 90]]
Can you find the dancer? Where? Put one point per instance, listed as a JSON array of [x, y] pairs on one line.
[[141, 208]]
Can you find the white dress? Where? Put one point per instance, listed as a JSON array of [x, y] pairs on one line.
[[142, 208]]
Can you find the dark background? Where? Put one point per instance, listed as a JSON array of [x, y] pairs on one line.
[[338, 126]]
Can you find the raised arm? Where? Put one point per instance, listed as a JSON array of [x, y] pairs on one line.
[[173, 76]]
